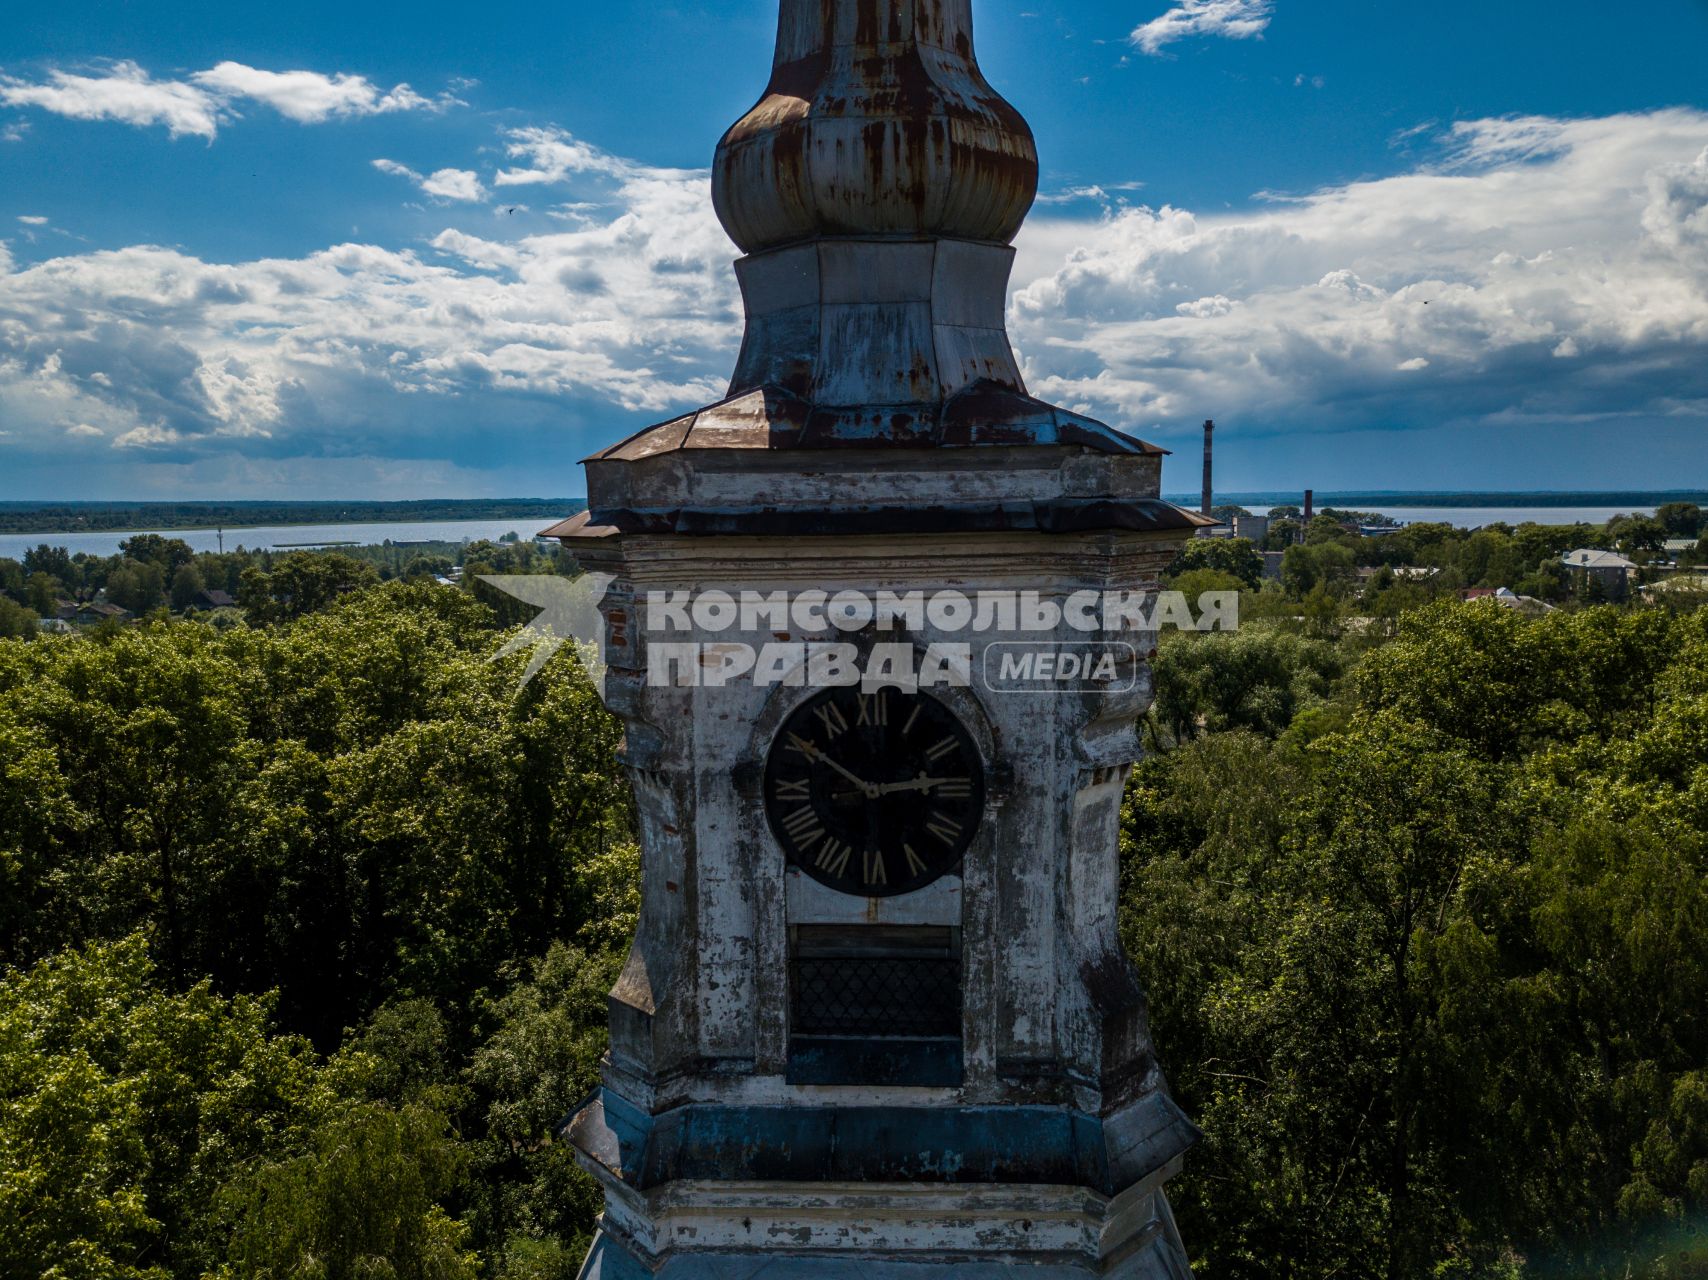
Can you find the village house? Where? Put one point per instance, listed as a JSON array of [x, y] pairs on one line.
[[100, 611], [1607, 569]]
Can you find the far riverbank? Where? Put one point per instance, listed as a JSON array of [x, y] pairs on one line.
[[55, 518], [290, 537], [533, 515]]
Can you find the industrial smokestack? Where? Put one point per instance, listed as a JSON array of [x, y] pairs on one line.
[[1209, 427], [1310, 504]]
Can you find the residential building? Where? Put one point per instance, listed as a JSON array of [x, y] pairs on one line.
[[100, 611], [1607, 569], [1254, 527]]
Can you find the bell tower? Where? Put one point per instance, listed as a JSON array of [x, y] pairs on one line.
[[876, 1020]]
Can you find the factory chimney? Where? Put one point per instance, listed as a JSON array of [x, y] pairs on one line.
[[1310, 506], [1209, 427]]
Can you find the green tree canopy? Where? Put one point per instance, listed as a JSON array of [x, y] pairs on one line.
[[1234, 556], [126, 1108], [1326, 564], [1255, 678], [169, 554], [1680, 519], [1434, 985], [300, 583]]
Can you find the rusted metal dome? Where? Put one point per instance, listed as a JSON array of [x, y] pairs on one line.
[[877, 122]]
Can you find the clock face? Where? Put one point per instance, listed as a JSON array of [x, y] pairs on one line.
[[876, 793]]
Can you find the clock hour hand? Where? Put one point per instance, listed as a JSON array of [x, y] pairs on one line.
[[921, 783]]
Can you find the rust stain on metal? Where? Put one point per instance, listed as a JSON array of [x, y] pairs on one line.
[[939, 152]]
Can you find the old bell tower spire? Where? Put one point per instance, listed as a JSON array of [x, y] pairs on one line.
[[877, 1021], [876, 187]]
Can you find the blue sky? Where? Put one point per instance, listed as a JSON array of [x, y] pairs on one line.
[[387, 250]]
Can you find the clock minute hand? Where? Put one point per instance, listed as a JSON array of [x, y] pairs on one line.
[[818, 753]]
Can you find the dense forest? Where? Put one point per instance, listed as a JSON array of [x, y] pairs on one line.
[[311, 927], [152, 574], [88, 517], [1425, 929], [308, 917]]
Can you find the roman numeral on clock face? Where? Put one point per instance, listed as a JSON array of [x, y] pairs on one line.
[[940, 749], [943, 827], [915, 863], [831, 717], [833, 858], [803, 827], [955, 788], [794, 789], [872, 867], [873, 709]]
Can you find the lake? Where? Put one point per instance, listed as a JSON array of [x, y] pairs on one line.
[[274, 537], [1475, 517]]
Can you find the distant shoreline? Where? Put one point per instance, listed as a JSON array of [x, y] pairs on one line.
[[1353, 499], [73, 517], [62, 518]]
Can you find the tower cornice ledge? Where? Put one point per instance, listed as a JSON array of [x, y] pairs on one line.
[[993, 1146]]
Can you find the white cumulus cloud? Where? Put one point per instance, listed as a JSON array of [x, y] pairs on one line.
[[630, 309], [124, 92], [308, 96], [1233, 19], [444, 185], [454, 184], [1543, 270], [1204, 308], [553, 155], [147, 437]]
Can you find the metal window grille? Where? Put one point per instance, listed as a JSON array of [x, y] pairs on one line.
[[892, 983]]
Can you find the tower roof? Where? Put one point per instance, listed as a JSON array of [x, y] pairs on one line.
[[982, 415]]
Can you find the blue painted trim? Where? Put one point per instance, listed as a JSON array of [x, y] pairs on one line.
[[879, 1061], [924, 1144]]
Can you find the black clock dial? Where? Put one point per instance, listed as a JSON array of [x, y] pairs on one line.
[[876, 793]]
